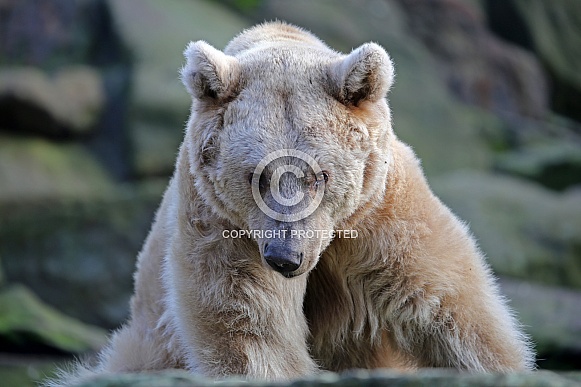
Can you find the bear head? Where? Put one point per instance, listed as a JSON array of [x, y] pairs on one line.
[[288, 138]]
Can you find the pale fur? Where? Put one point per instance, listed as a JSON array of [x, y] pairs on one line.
[[412, 290]]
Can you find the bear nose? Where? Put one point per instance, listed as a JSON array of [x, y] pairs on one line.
[[282, 259]]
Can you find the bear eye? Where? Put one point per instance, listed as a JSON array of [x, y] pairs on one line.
[[322, 176]]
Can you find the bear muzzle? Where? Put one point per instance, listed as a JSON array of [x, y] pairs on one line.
[[282, 258]]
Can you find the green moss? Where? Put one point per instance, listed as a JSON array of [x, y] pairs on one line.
[[80, 251], [26, 321], [555, 164], [32, 168], [155, 148], [428, 377], [29, 374]]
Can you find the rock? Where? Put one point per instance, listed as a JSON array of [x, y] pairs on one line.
[[79, 255], [2, 281], [26, 324], [66, 34], [428, 377], [525, 230], [69, 103], [552, 29], [478, 67], [158, 92], [35, 168], [159, 102], [555, 164], [155, 148], [24, 371], [552, 316]]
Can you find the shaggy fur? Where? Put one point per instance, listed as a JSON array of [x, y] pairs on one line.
[[412, 290]]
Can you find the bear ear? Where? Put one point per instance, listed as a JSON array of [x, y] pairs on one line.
[[366, 74], [208, 72]]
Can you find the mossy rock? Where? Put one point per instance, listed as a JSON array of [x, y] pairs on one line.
[[436, 378], [68, 103], [80, 252], [554, 164], [35, 168], [2, 281], [27, 324], [155, 148], [525, 230], [157, 91], [26, 372], [550, 315], [554, 31]]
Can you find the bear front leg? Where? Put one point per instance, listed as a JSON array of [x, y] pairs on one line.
[[469, 329], [234, 316]]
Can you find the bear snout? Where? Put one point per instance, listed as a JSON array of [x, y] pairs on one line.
[[282, 258]]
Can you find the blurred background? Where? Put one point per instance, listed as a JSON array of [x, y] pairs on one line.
[[488, 93]]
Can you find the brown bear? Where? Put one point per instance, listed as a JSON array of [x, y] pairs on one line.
[[299, 234]]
